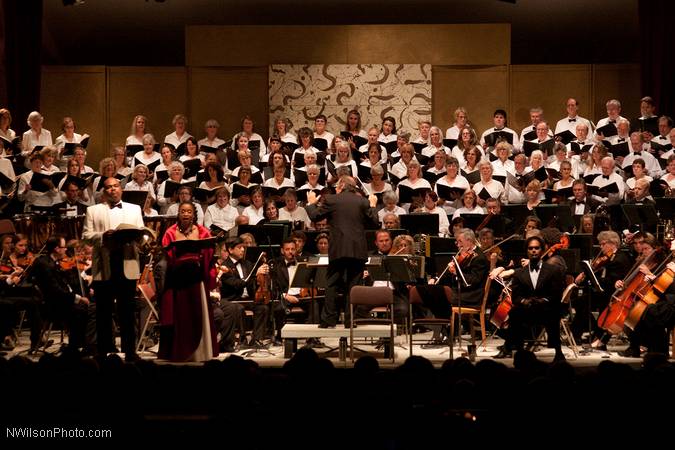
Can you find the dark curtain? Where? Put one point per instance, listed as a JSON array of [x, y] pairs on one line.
[[23, 47], [657, 36]]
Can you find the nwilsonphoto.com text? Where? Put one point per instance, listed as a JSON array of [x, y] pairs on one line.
[[57, 433]]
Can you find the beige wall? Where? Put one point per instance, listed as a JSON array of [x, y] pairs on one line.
[[484, 44], [104, 101], [79, 92], [227, 94], [480, 90]]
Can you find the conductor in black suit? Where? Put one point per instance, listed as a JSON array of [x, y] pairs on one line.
[[349, 215], [537, 291], [582, 203]]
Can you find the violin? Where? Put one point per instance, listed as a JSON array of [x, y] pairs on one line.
[[262, 293], [221, 270], [71, 262], [25, 260], [463, 256], [563, 244]]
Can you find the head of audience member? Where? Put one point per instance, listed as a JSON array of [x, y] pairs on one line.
[[321, 225]]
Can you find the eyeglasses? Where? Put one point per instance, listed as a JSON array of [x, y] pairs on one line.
[[533, 248]]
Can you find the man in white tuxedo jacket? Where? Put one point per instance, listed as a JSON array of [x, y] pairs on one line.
[[115, 266]]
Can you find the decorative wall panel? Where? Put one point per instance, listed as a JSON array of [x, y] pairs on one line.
[[301, 92]]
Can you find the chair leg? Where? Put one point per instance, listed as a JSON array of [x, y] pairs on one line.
[[472, 330], [351, 333], [565, 330], [482, 331], [452, 331]]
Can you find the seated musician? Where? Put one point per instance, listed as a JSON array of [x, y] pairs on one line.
[[300, 239], [537, 290], [16, 291], [61, 301], [402, 245], [474, 267], [72, 206], [235, 288], [614, 267], [282, 273], [651, 329]]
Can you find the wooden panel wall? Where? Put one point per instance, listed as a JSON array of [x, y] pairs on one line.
[[78, 92], [227, 94], [246, 45], [480, 90], [104, 101]]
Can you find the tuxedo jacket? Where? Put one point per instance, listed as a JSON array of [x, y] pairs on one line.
[[60, 208], [475, 270], [590, 205], [349, 215], [97, 222], [232, 285], [550, 284]]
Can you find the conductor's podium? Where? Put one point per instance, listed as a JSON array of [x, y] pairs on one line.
[[291, 332]]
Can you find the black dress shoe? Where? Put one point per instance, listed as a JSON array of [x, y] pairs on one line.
[[326, 325], [630, 353], [503, 353], [559, 356]]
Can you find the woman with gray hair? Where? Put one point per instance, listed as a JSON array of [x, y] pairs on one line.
[[211, 140], [35, 136], [176, 171]]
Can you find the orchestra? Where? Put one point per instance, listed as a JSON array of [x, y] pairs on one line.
[[529, 206]]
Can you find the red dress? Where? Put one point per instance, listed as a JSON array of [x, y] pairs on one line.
[[186, 315]]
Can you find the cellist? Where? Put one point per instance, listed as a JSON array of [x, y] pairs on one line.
[[651, 329], [609, 266]]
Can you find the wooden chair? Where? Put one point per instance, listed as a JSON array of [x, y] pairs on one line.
[[472, 312], [414, 298], [372, 296]]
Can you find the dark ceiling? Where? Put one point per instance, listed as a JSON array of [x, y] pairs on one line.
[[148, 32]]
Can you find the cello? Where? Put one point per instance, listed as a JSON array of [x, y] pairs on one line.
[[651, 294], [617, 313]]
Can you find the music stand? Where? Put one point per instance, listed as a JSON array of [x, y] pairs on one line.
[[643, 216], [424, 223], [308, 276], [665, 206], [459, 275], [561, 215], [583, 242], [518, 213]]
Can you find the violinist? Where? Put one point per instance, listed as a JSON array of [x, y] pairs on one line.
[[282, 272], [537, 290], [21, 256], [237, 293], [61, 301], [474, 267], [609, 266]]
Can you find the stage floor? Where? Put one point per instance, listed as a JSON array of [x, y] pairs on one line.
[[273, 356]]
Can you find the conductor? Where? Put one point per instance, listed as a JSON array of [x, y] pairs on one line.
[[349, 215]]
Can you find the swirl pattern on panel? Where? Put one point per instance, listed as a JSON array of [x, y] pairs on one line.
[[301, 92]]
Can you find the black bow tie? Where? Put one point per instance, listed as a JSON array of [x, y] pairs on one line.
[[637, 153], [580, 203], [116, 205], [606, 177], [289, 264], [498, 129], [663, 138], [612, 121], [621, 140], [534, 267], [572, 120]]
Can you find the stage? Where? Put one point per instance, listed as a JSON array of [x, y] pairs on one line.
[[272, 356]]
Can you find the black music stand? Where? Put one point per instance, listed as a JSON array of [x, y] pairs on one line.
[[559, 216], [309, 276], [642, 216], [424, 223]]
